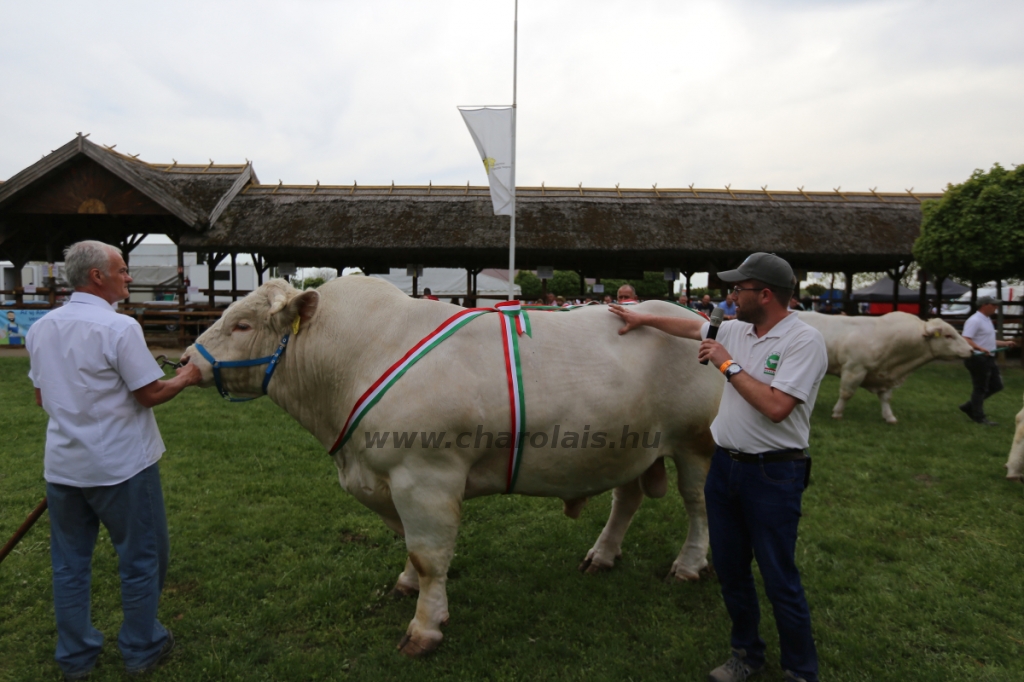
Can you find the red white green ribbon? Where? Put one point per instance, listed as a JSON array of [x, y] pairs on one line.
[[514, 323]]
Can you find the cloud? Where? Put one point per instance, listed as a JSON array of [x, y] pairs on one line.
[[819, 94]]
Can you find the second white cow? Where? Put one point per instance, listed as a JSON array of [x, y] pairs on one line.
[[877, 353]]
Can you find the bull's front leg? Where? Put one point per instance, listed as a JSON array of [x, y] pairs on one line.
[[429, 502], [849, 381], [626, 500]]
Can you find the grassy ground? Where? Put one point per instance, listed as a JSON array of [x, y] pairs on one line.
[[910, 550]]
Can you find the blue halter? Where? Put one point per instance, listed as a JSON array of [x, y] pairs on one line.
[[269, 360]]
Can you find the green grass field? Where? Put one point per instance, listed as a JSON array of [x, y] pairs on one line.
[[911, 551]]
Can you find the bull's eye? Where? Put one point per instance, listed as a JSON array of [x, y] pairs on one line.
[[241, 327]]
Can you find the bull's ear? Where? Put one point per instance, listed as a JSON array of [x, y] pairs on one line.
[[932, 328], [302, 307]]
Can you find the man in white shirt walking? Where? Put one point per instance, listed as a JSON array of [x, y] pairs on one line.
[[774, 364], [980, 333], [97, 381]]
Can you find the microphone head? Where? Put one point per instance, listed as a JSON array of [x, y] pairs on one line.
[[716, 316]]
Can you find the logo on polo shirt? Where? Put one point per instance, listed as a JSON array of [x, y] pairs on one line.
[[772, 363]]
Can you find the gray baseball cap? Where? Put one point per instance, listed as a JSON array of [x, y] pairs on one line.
[[764, 267], [987, 300]]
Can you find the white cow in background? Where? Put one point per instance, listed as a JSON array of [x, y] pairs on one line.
[[1015, 462], [877, 353], [579, 375]]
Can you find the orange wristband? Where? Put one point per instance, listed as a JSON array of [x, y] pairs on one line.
[[725, 366]]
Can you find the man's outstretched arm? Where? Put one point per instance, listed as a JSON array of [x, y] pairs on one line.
[[676, 326], [162, 390]]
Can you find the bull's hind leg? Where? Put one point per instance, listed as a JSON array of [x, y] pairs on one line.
[[849, 381], [430, 505], [885, 397], [626, 500], [692, 469]]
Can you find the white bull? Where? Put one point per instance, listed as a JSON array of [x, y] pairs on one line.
[[878, 353], [578, 373], [1015, 462]]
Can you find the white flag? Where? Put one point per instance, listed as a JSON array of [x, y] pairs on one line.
[[491, 128]]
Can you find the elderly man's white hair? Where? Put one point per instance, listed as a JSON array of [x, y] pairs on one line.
[[81, 257]]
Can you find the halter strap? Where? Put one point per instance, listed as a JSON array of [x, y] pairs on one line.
[[270, 360]]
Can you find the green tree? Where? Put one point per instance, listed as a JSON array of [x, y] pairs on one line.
[[529, 284], [976, 231]]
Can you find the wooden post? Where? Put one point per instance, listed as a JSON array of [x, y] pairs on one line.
[[974, 298], [19, 291], [583, 285], [687, 274], [234, 277], [181, 296], [849, 307], [469, 285], [938, 296], [211, 268], [415, 284]]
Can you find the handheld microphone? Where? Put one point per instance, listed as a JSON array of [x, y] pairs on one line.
[[716, 320]]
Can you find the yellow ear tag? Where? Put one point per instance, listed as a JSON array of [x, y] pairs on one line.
[[295, 326], [936, 333]]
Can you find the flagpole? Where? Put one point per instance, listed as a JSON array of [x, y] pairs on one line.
[[512, 231]]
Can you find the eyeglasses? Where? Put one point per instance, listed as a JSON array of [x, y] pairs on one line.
[[737, 290]]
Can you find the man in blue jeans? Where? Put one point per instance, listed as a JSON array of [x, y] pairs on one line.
[[774, 364], [97, 381]]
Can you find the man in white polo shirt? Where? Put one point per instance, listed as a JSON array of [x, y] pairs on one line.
[[774, 364], [980, 333], [97, 381]]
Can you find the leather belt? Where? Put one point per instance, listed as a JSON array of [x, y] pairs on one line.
[[787, 455]]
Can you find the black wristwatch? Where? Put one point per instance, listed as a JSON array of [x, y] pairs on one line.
[[731, 371]]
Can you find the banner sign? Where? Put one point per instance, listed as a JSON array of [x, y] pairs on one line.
[[16, 324]]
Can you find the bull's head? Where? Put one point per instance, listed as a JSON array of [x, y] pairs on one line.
[[944, 341], [253, 328]]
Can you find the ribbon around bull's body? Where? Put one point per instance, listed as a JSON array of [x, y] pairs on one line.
[[514, 323]]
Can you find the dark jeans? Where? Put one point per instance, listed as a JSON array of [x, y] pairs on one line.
[[986, 381], [133, 514], [753, 512]]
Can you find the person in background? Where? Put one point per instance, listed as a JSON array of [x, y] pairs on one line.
[[97, 381], [986, 380], [560, 301], [729, 306], [795, 304], [705, 306], [607, 299], [627, 294], [428, 295], [455, 300]]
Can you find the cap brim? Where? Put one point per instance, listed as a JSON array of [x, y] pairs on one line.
[[732, 276]]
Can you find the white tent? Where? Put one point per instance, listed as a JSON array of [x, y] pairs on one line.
[[449, 282]]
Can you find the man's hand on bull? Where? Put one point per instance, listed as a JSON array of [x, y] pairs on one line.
[[713, 351], [632, 318], [193, 375]]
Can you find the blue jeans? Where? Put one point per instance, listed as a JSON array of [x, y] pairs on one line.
[[133, 514], [753, 512]]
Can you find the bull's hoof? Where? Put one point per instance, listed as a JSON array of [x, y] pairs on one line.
[[837, 416], [892, 421], [403, 591], [591, 566], [415, 647], [686, 574]]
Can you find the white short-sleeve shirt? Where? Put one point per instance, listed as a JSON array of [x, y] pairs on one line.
[[792, 358], [979, 328], [86, 361]]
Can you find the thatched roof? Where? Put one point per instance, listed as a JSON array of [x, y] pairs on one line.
[[596, 230], [83, 190]]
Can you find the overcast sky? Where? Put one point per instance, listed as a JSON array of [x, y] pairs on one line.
[[821, 94]]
